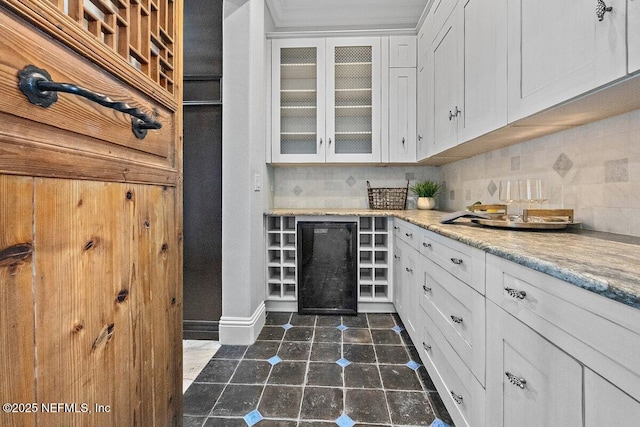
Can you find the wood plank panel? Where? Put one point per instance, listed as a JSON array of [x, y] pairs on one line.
[[105, 320], [41, 151], [16, 299]]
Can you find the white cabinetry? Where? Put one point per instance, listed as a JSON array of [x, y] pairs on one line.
[[530, 382], [633, 35], [281, 258], [559, 50], [402, 115], [326, 104], [577, 352], [373, 264], [402, 51], [466, 80]]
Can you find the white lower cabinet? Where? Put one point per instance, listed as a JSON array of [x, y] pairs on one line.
[[530, 382], [460, 391], [607, 405]]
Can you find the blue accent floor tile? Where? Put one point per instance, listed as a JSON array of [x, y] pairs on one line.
[[253, 417], [287, 326], [274, 360], [342, 327], [438, 423], [397, 328], [345, 421], [413, 365], [343, 362]]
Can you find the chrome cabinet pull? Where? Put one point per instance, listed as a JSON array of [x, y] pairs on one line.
[[456, 397], [408, 270], [516, 293], [451, 115], [601, 9], [396, 257], [520, 382], [426, 245], [320, 141], [419, 137], [456, 261], [402, 140], [456, 319], [426, 347], [426, 288], [37, 86], [329, 141], [408, 234], [395, 227]]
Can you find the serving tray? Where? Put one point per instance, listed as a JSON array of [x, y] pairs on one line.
[[542, 225]]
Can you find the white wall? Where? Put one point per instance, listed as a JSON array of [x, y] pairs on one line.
[[243, 154], [593, 169]]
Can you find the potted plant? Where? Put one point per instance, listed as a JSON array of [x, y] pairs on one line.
[[426, 191]]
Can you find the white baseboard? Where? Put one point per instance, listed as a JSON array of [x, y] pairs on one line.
[[242, 330]]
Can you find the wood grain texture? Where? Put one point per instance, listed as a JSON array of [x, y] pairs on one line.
[[22, 46], [106, 324], [61, 27], [17, 383], [42, 151]]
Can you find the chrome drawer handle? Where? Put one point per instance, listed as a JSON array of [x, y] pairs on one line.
[[396, 257], [456, 319], [426, 245], [426, 288], [456, 397], [516, 293], [601, 9], [408, 234], [426, 347], [456, 261], [38, 87], [520, 382], [408, 270], [395, 227]]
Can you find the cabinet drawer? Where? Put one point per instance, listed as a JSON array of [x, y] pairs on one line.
[[601, 333], [463, 261], [458, 311], [461, 393], [75, 133], [408, 233]]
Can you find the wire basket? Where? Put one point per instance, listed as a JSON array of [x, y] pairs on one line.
[[387, 198]]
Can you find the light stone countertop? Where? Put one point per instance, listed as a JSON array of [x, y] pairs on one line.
[[603, 263]]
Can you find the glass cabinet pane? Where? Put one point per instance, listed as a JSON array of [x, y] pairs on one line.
[[353, 99], [298, 100]]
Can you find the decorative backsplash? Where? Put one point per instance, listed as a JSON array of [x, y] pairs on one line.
[[593, 169], [341, 186]]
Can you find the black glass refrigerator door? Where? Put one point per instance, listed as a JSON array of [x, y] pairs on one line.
[[327, 268]]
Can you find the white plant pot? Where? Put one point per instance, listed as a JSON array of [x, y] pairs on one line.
[[426, 203]]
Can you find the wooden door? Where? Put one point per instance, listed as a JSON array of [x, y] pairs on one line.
[[91, 218], [559, 50]]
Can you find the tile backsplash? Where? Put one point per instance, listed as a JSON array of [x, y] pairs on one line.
[[593, 169], [341, 186]]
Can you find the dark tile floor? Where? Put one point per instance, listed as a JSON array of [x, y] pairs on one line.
[[308, 371]]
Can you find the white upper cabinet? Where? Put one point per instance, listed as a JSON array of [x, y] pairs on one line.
[[298, 101], [402, 51], [561, 49], [353, 84], [633, 35], [484, 75], [326, 100], [465, 85]]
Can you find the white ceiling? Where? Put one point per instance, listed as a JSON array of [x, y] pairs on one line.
[[346, 14]]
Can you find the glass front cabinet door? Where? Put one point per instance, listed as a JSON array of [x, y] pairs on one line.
[[326, 100]]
